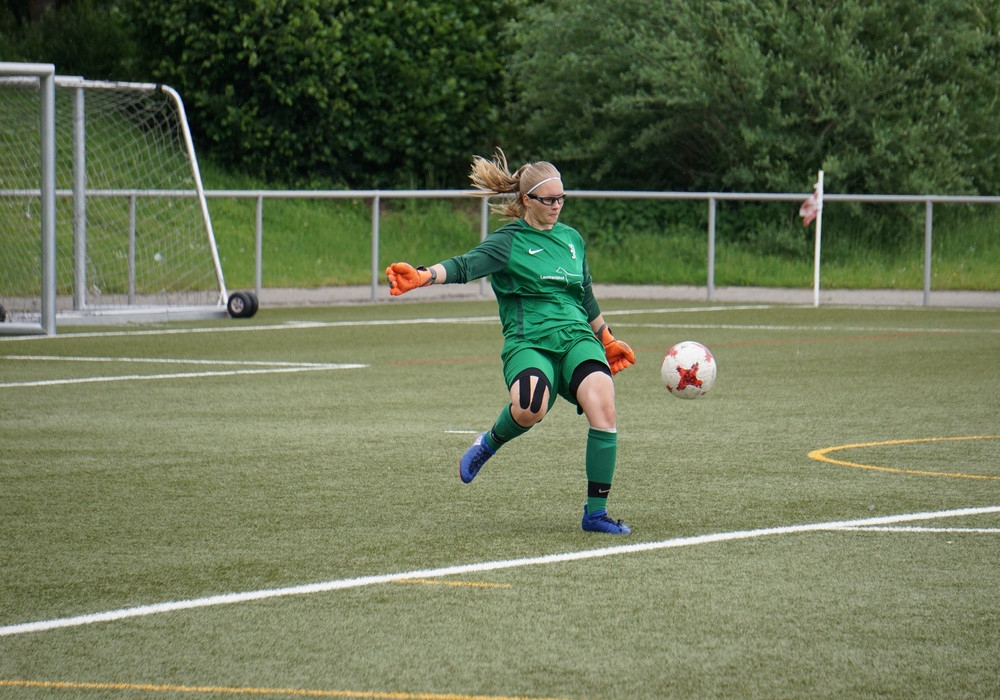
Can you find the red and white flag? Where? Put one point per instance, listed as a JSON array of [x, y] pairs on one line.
[[811, 208]]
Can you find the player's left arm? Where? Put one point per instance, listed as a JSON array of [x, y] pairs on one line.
[[617, 352]]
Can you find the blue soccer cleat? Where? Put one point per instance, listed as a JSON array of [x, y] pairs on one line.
[[474, 458], [598, 521]]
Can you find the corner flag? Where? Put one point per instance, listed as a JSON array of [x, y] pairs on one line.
[[811, 208]]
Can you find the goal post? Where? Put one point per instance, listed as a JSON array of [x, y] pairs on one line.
[[43, 76], [131, 236]]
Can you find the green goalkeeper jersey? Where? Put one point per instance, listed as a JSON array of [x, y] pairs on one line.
[[541, 281]]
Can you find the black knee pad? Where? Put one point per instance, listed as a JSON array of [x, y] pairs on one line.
[[528, 400], [584, 370]]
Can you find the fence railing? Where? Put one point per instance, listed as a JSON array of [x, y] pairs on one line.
[[711, 199], [376, 197]]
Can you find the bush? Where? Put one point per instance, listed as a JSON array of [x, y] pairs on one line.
[[751, 96], [608, 223], [383, 93], [87, 38]]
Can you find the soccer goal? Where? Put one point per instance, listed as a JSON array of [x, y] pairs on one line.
[[132, 238]]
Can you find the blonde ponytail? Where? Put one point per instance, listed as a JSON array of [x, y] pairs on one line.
[[493, 178]]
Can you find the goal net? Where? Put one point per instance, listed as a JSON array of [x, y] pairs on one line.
[[133, 237]]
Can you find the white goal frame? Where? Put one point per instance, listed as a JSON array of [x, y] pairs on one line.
[[44, 73], [206, 298]]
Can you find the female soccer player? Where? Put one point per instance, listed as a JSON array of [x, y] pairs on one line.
[[555, 339]]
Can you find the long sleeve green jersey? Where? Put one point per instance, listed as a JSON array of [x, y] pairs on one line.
[[540, 278]]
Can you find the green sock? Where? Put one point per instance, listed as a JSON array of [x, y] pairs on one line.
[[504, 430], [602, 451]]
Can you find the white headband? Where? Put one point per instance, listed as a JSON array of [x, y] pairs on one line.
[[548, 179]]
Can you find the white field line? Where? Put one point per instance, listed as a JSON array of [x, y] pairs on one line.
[[289, 326], [463, 569], [744, 307], [245, 367], [307, 325], [771, 327], [168, 361], [690, 309], [972, 530]]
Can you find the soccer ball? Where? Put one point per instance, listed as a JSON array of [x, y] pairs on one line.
[[688, 370]]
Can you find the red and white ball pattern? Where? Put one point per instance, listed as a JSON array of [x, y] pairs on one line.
[[688, 370]]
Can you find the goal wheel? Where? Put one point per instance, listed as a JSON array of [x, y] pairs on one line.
[[242, 304]]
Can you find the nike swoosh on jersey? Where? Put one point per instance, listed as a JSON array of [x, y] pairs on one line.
[[531, 251]]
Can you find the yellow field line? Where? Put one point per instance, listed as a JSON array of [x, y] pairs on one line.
[[295, 692], [821, 456]]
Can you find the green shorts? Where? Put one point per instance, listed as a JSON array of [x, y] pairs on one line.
[[558, 367]]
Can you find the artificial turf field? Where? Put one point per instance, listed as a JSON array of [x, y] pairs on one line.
[[270, 507]]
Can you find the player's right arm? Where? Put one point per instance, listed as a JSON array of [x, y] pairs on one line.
[[487, 258], [403, 277]]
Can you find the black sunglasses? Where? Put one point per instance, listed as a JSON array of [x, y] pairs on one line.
[[548, 201]]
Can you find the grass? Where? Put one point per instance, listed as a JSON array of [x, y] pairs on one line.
[[313, 243], [132, 492]]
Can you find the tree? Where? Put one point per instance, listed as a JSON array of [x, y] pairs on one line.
[[38, 8], [30, 10], [745, 95], [386, 92], [81, 37]]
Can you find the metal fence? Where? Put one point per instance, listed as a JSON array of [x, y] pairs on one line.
[[710, 198]]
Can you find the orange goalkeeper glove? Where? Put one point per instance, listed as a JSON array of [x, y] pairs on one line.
[[618, 353], [403, 277]]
